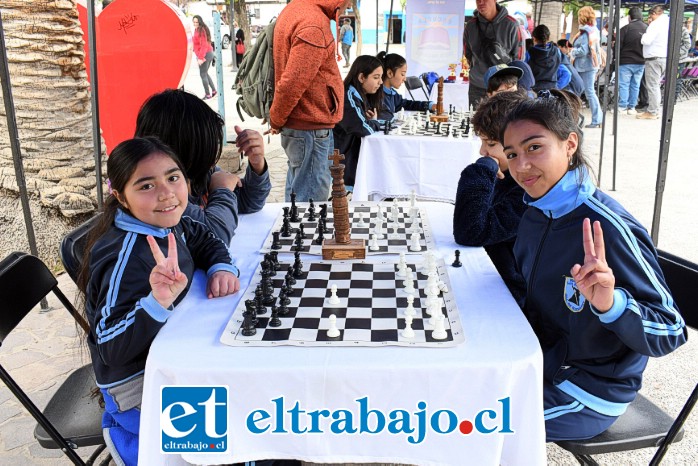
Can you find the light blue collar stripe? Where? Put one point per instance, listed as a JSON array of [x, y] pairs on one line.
[[127, 222], [608, 408], [114, 280], [121, 324], [566, 195], [563, 407], [576, 409], [359, 111], [631, 241], [389, 90], [113, 384], [122, 328]]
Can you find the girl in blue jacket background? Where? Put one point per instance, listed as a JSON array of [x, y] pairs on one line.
[[394, 76], [141, 256], [363, 97], [596, 296]]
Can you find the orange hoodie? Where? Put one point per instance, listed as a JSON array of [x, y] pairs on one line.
[[309, 93]]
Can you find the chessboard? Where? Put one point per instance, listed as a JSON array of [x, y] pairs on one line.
[[371, 309], [394, 239], [458, 126]]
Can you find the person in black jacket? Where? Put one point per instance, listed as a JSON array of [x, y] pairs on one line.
[[631, 60], [596, 296], [489, 203], [140, 261], [394, 75], [363, 96]]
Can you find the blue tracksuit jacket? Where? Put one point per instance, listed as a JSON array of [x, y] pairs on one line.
[[393, 102], [598, 359]]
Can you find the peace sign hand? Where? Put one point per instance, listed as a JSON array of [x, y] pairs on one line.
[[166, 280], [594, 279]]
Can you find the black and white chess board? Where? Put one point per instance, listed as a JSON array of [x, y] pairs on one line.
[[458, 126], [372, 301], [399, 242]]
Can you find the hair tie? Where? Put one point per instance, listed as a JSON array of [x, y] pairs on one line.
[[545, 94], [108, 186]]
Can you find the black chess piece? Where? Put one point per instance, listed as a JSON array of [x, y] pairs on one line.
[[323, 211], [275, 260], [270, 264], [289, 281], [286, 211], [457, 262], [289, 274], [283, 308], [386, 128], [320, 237], [283, 295], [248, 328], [258, 297], [325, 230], [311, 211], [297, 265], [286, 228], [251, 310], [276, 241], [462, 124], [275, 321], [426, 124], [438, 128], [301, 231]]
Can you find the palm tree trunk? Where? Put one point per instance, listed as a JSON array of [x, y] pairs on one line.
[[52, 101]]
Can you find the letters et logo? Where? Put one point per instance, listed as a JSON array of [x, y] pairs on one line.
[[194, 419]]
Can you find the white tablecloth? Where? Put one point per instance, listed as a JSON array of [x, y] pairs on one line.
[[393, 166], [500, 358], [454, 94]]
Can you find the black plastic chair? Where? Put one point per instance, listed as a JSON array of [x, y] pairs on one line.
[[412, 83], [72, 248], [644, 425], [73, 416]]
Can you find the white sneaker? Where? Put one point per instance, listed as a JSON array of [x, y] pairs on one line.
[[622, 110], [632, 111]]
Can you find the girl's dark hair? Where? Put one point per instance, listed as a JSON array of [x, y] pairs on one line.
[[365, 64], [559, 113], [541, 33], [202, 26], [189, 126], [391, 61], [121, 165]]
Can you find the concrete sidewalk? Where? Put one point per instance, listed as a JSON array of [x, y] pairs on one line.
[[46, 347]]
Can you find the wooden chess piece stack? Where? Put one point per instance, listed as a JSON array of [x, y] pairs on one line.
[[341, 246], [440, 115]]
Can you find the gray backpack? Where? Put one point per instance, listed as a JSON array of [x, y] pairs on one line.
[[255, 77]]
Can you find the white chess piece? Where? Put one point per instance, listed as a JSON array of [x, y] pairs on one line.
[[408, 332], [399, 130], [401, 266], [409, 282], [333, 331], [402, 114], [409, 310], [334, 299], [439, 332], [394, 234], [378, 229], [373, 246], [362, 222], [413, 198], [414, 243]]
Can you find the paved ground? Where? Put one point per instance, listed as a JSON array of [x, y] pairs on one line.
[[46, 346]]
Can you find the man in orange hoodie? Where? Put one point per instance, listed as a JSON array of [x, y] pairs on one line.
[[308, 95]]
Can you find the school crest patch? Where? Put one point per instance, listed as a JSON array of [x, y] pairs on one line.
[[574, 299]]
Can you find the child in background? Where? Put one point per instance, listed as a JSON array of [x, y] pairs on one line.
[[141, 257], [195, 133], [502, 78], [394, 75], [489, 203], [363, 96], [545, 60]]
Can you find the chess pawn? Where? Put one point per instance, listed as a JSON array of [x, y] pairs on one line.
[[362, 222], [289, 277], [378, 230], [275, 321], [439, 332], [414, 243], [409, 310], [334, 299], [401, 266], [333, 331], [373, 246], [409, 282], [408, 332]]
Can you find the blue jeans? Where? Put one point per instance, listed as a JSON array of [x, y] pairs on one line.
[[308, 153], [590, 92], [629, 80]]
